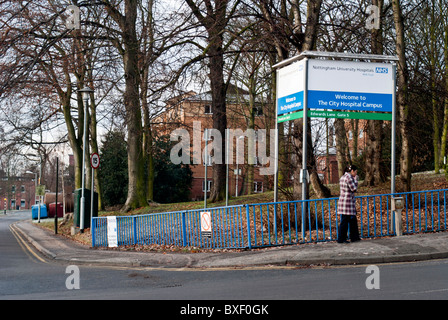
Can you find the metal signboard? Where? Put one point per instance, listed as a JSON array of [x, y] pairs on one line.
[[291, 87], [309, 86], [350, 85], [112, 235]]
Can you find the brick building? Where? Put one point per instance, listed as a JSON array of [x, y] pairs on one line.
[[194, 112], [17, 192], [327, 165], [327, 168]]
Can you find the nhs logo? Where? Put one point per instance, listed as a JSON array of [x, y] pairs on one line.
[[381, 70]]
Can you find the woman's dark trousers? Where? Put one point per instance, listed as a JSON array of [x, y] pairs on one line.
[[348, 222]]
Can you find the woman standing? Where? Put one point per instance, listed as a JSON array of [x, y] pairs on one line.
[[346, 205]]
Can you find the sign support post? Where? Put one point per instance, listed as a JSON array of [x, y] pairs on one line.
[[393, 137], [304, 147], [205, 167], [276, 146], [95, 164]]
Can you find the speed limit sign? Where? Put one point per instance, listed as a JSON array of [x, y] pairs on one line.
[[95, 161]]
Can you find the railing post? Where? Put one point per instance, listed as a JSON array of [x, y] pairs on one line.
[[134, 222], [302, 226], [248, 227], [397, 207], [93, 231], [184, 229]]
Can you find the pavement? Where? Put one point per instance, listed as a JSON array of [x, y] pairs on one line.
[[416, 247]]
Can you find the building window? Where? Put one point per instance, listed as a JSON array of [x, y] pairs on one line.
[[258, 186], [208, 109], [209, 185], [258, 111], [22, 203], [322, 165], [22, 189], [13, 189]]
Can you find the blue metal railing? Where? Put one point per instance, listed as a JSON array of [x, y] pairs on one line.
[[274, 224]]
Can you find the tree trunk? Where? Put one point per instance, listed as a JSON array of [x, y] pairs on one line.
[[215, 22], [445, 112], [313, 12], [147, 58], [374, 132], [402, 101], [219, 115], [342, 152], [251, 144], [136, 186]]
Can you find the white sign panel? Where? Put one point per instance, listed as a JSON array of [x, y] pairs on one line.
[[112, 236], [290, 88], [348, 85], [206, 223]]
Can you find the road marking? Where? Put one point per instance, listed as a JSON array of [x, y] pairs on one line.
[[427, 291], [25, 247]]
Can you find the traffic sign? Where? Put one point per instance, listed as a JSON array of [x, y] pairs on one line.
[[40, 190], [95, 161]]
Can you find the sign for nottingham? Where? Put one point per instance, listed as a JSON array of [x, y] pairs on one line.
[[350, 85]]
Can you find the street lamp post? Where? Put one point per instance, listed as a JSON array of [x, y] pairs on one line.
[[85, 96]]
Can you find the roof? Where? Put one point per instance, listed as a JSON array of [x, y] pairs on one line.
[[234, 94]]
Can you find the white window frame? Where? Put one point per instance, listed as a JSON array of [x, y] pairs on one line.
[[209, 185], [256, 185], [208, 109]]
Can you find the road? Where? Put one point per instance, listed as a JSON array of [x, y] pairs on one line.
[[24, 274]]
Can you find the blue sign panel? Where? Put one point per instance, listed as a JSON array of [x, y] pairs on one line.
[[291, 103], [379, 102]]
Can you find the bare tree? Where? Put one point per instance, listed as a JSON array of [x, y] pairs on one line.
[[288, 32], [128, 47], [214, 17], [374, 132]]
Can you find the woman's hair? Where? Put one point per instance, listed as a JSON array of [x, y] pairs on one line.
[[350, 168]]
